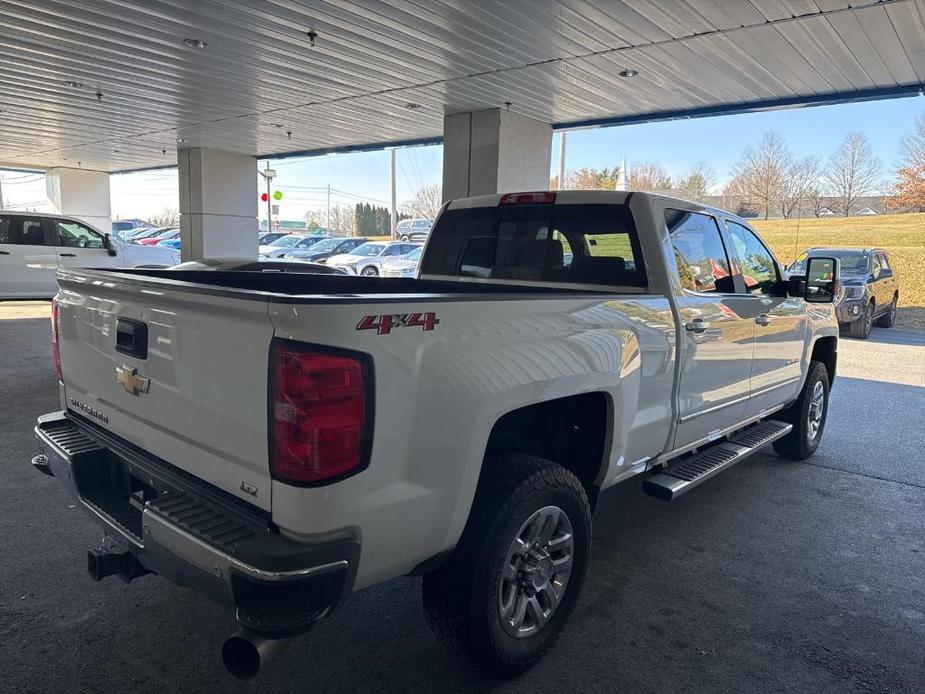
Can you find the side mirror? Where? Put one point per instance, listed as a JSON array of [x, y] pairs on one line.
[[109, 245], [886, 272], [821, 280]]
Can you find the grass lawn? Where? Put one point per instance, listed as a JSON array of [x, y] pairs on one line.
[[903, 235]]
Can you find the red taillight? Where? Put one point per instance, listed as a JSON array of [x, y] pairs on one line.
[[543, 197], [319, 414], [54, 338]]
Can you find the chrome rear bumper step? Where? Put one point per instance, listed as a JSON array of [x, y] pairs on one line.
[[683, 476]]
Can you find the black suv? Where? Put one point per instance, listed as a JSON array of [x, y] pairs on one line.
[[869, 288]]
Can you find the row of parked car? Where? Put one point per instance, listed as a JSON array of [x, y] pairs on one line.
[[149, 236], [354, 256]]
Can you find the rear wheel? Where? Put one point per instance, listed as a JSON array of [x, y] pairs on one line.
[[807, 415], [504, 595], [888, 318], [861, 327]]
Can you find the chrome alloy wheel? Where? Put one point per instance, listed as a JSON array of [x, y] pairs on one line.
[[535, 572], [816, 410]]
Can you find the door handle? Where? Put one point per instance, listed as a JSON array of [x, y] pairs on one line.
[[698, 326], [763, 319], [68, 255]]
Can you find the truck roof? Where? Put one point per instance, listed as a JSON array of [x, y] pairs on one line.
[[588, 197]]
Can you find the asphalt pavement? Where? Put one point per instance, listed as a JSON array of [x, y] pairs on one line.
[[774, 577]]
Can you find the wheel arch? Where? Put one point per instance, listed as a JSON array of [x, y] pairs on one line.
[[574, 431], [825, 350]]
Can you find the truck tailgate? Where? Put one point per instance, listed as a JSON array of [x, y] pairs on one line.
[[203, 408]]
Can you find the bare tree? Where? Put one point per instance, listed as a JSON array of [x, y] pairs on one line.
[[814, 196], [340, 220], [426, 202], [761, 171], [696, 183], [165, 218], [913, 146], [853, 171], [647, 175], [801, 176]]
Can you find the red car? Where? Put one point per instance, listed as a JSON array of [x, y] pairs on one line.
[[152, 240]]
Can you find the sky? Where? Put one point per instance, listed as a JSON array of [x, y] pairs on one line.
[[675, 145]]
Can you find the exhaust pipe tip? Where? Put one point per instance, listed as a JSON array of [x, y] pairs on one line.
[[244, 653]]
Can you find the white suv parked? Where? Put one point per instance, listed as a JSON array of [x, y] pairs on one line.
[[33, 246]]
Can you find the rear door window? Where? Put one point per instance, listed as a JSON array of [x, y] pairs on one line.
[[568, 244], [22, 231], [699, 252]]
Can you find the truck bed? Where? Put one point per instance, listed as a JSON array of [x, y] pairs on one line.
[[312, 287]]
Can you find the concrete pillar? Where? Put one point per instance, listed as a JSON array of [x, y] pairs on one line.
[[495, 151], [218, 204], [82, 194]]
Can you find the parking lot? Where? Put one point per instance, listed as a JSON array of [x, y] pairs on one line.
[[775, 576]]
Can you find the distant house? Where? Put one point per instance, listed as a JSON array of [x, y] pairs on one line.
[[866, 211], [826, 212]]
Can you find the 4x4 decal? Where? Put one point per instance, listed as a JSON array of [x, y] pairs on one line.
[[383, 324]]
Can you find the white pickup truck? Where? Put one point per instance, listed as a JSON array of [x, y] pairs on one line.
[[278, 440]]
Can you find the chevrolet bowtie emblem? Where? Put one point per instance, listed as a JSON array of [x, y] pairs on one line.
[[131, 381]]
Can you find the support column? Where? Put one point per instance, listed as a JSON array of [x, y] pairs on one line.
[[495, 151], [218, 204], [82, 194]]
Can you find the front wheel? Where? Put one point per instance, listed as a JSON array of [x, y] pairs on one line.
[[807, 415], [504, 595], [405, 237], [369, 271], [860, 328]]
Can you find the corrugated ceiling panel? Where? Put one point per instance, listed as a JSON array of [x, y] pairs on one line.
[[856, 40], [724, 14], [885, 41], [909, 22], [555, 60]]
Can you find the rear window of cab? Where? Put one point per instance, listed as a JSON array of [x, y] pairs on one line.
[[568, 244]]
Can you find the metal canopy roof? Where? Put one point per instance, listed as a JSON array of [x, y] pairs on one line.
[[386, 71]]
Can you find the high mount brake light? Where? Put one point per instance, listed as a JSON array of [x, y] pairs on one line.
[[543, 197], [320, 414]]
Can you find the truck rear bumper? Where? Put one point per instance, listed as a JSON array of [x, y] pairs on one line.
[[186, 531]]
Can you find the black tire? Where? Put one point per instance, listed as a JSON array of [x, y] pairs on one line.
[[369, 271], [405, 237], [888, 318], [860, 328], [801, 442], [463, 597]]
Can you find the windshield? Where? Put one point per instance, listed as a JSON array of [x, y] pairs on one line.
[[368, 249], [285, 241], [852, 262]]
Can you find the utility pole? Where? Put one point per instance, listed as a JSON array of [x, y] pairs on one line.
[[562, 160], [1, 193], [393, 212], [327, 215], [268, 175]]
